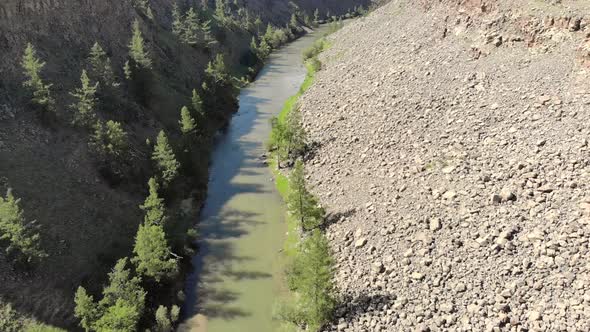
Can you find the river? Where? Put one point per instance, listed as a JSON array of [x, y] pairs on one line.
[[237, 280]]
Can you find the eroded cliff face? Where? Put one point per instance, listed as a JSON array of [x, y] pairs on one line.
[[86, 222]]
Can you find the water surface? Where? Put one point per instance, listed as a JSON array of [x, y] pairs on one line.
[[242, 229]]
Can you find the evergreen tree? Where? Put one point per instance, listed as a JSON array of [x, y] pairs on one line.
[[293, 24], [258, 24], [264, 49], [121, 317], [32, 68], [85, 101], [17, 236], [122, 286], [154, 205], [301, 203], [197, 104], [109, 140], [163, 320], [165, 159], [137, 50], [268, 35], [297, 140], [101, 66], [86, 309], [207, 35], [188, 125], [220, 11], [152, 253], [278, 137], [191, 28], [217, 71], [316, 16], [177, 24], [121, 307], [312, 278]]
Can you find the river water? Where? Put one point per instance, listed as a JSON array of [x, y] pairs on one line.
[[237, 269]]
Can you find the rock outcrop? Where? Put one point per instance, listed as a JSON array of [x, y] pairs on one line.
[[454, 163]]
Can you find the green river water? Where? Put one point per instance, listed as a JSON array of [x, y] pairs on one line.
[[237, 280]]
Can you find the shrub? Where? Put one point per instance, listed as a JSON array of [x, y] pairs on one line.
[[85, 102]]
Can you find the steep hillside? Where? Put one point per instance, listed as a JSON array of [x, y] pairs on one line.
[[453, 158], [87, 215]]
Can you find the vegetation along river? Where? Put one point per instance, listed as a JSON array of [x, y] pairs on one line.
[[237, 279]]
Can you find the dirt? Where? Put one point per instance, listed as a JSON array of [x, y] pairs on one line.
[[453, 162]]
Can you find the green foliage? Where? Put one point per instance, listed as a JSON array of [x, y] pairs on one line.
[[10, 320], [121, 307], [86, 309], [121, 317], [110, 140], [197, 103], [293, 23], [101, 66], [165, 159], [188, 125], [217, 70], [19, 238], [154, 205], [137, 50], [177, 24], [190, 28], [220, 11], [152, 253], [84, 114], [122, 286], [301, 203], [311, 276], [314, 50], [163, 323], [32, 68]]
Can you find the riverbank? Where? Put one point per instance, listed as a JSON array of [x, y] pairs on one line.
[[302, 251]]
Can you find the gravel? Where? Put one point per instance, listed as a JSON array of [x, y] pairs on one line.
[[452, 142]]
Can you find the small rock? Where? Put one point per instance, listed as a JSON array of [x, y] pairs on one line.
[[360, 242], [435, 224], [507, 195]]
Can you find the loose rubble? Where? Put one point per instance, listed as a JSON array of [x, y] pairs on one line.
[[453, 158]]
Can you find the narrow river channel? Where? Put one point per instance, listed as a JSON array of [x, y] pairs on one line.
[[237, 270]]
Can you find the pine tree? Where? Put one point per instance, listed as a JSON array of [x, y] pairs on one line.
[[312, 276], [316, 16], [191, 28], [120, 308], [17, 236], [154, 205], [101, 66], [163, 320], [301, 203], [220, 9], [177, 24], [197, 104], [297, 140], [86, 309], [109, 140], [32, 68], [121, 317], [188, 125], [137, 48], [217, 71], [85, 101], [293, 24], [152, 253], [122, 286], [165, 159], [258, 24]]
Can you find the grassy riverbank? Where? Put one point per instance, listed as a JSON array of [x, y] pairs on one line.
[[303, 250]]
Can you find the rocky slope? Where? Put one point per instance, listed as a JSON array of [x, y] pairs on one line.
[[453, 159], [87, 222]]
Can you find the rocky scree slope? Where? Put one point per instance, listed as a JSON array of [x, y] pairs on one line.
[[87, 223], [453, 159]]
